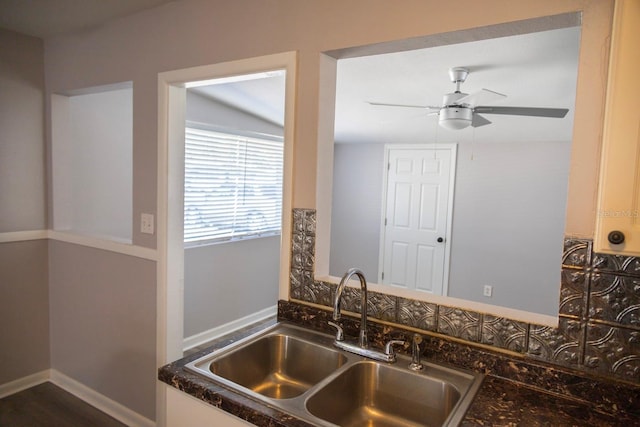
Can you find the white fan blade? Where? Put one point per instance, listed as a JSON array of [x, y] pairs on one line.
[[384, 104], [523, 111], [478, 121], [482, 96]]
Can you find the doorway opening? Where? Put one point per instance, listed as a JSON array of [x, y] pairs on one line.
[[173, 87], [233, 163]]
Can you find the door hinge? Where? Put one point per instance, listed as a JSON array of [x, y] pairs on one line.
[[385, 221], [382, 275]]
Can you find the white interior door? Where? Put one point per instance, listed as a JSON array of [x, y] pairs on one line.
[[417, 223]]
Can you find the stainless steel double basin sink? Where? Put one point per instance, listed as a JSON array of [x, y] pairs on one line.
[[300, 372]]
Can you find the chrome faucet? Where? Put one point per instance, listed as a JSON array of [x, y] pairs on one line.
[[363, 340], [362, 346]]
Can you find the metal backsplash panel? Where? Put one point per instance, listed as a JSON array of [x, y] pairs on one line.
[[598, 331]]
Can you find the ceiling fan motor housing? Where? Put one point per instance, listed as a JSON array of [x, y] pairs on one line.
[[451, 99]]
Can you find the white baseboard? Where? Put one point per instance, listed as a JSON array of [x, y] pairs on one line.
[[100, 401], [206, 336], [24, 383]]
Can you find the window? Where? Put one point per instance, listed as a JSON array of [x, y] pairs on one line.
[[232, 185]]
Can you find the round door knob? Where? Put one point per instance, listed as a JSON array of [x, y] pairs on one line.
[[616, 237], [440, 240]]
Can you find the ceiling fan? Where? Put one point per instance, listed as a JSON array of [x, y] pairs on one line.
[[460, 110]]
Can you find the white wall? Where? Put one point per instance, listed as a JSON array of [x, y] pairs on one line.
[[509, 214]]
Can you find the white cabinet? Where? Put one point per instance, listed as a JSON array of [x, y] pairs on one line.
[[619, 191], [186, 411]]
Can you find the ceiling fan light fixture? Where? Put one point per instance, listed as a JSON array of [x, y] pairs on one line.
[[455, 118], [458, 108]]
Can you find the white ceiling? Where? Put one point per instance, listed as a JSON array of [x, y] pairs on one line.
[[534, 70], [261, 95]]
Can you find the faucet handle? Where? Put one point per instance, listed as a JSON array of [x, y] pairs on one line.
[[417, 338], [339, 331], [388, 347]]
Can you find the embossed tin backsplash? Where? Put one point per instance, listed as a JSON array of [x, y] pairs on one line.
[[599, 325]]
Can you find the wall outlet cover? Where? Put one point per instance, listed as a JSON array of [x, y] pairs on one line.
[[146, 223], [487, 291]]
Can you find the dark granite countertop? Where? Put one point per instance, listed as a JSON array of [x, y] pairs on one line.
[[499, 402], [504, 403]]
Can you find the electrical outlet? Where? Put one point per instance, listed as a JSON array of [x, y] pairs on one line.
[[146, 223], [488, 290]]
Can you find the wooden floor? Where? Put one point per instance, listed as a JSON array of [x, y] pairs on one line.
[[47, 405]]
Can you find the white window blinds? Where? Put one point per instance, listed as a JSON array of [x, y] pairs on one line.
[[232, 186]]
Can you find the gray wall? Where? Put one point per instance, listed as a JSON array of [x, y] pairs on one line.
[[103, 322], [228, 281], [22, 159], [356, 208], [509, 211], [87, 313], [24, 310]]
